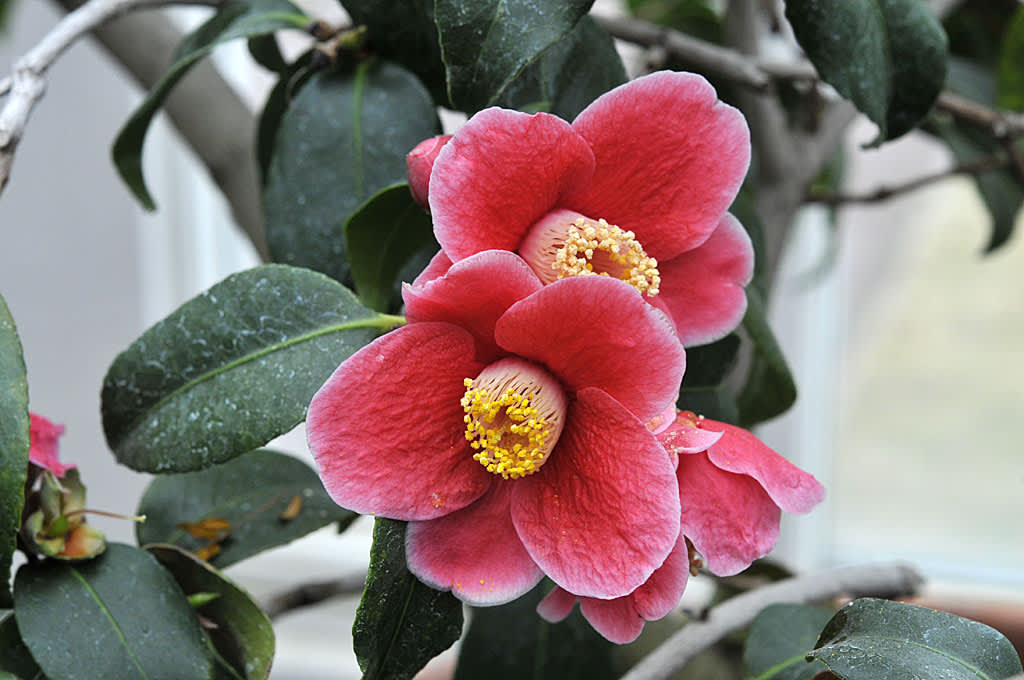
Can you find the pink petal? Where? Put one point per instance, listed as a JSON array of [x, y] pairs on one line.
[[594, 331], [615, 619], [419, 162], [473, 294], [473, 552], [599, 518], [740, 452], [661, 592], [501, 173], [670, 159], [44, 449], [683, 436], [729, 518], [703, 288], [556, 605], [386, 429], [436, 268]]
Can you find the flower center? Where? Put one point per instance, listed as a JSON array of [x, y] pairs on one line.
[[514, 415], [565, 243]]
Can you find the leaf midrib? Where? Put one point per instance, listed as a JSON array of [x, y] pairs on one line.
[[110, 617], [977, 671]]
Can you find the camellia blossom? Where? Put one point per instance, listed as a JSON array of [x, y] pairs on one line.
[[44, 448], [636, 188], [505, 422], [732, 489]]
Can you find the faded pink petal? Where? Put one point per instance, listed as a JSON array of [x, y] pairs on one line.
[[600, 516], [670, 159], [703, 289], [661, 592], [44, 449], [501, 173], [436, 268], [473, 294], [419, 162], [386, 428], [594, 331], [556, 605], [729, 517], [473, 552], [615, 619], [740, 452], [684, 436]]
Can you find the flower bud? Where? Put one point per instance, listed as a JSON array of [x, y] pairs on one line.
[[419, 163]]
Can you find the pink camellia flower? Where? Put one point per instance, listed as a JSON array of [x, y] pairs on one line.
[[636, 188], [505, 422], [732, 489], [43, 451]]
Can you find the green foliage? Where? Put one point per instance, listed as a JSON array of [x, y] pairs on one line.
[[236, 19], [769, 389], [86, 620], [780, 638], [265, 51], [568, 75], [704, 389], [485, 44], [15, 660], [870, 639], [14, 444], [382, 237], [251, 493], [243, 636], [889, 57], [694, 17], [512, 642], [290, 81], [401, 624], [343, 138], [230, 369], [1011, 65]]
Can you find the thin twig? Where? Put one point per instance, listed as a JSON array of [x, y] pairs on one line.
[[309, 594], [1000, 124], [887, 580]]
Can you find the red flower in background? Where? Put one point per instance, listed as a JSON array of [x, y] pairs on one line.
[[44, 451]]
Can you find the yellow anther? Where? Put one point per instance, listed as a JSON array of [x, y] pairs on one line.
[[600, 248]]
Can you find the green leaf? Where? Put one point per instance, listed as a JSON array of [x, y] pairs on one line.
[[120, 615], [343, 139], [570, 74], [889, 57], [401, 624], [1010, 90], [243, 635], [251, 492], [705, 390], [769, 389], [15, 659], [513, 642], [265, 51], [279, 99], [869, 639], [382, 236], [780, 638], [485, 44], [236, 19], [14, 444], [231, 369], [694, 17]]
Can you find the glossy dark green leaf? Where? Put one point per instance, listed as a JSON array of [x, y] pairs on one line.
[[769, 389], [705, 390], [14, 444], [404, 31], [236, 19], [485, 44], [15, 659], [401, 624], [568, 75], [251, 492], [888, 57], [869, 639], [265, 51], [120, 615], [780, 638], [382, 236], [512, 642], [1010, 91], [291, 80], [343, 139], [231, 369], [243, 635]]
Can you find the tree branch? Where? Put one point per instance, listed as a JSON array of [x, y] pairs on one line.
[[313, 593], [887, 580]]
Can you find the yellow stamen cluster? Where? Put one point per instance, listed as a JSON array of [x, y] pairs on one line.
[[611, 251], [508, 433]]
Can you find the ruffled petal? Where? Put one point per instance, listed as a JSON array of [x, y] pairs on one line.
[[44, 450], [683, 436], [386, 428], [473, 552], [740, 452], [615, 619], [435, 269], [729, 518], [662, 591], [556, 605], [670, 159], [600, 517], [502, 172], [472, 295], [594, 331], [419, 163], [703, 288]]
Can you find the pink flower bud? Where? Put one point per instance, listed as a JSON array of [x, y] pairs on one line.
[[419, 162]]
